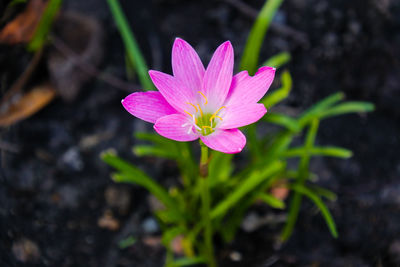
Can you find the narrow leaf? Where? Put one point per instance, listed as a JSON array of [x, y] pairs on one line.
[[348, 107], [280, 94], [283, 120], [132, 47], [130, 174], [320, 204], [272, 201], [330, 151], [319, 107], [256, 37], [245, 187], [45, 24], [278, 60]]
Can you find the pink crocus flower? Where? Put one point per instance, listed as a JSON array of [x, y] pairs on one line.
[[209, 104]]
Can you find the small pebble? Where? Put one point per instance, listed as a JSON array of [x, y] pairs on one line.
[[150, 226], [235, 256], [26, 250]]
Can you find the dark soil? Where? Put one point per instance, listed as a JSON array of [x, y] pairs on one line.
[[54, 187]]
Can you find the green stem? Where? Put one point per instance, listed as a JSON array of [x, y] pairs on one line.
[[206, 203], [302, 176]]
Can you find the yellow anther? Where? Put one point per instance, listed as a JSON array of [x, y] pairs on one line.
[[192, 106], [216, 112], [215, 116], [208, 127], [188, 113], [201, 112], [204, 97]]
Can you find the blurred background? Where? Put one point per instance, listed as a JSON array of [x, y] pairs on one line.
[[60, 108]]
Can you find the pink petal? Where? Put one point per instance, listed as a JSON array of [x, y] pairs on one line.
[[186, 65], [226, 141], [177, 127], [176, 93], [247, 89], [148, 106], [241, 115], [218, 76]]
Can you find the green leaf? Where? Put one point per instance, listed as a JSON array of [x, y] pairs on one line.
[[282, 120], [272, 201], [330, 151], [323, 192], [44, 26], [130, 67], [278, 145], [220, 168], [316, 110], [273, 98], [251, 52], [132, 47], [321, 206], [303, 174], [348, 107], [278, 60], [169, 234], [245, 187], [130, 174], [127, 242], [149, 150]]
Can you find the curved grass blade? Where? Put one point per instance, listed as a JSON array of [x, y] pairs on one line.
[[330, 151], [245, 187], [278, 60], [132, 47], [348, 107], [45, 24], [321, 206], [272, 201], [130, 174], [251, 52], [282, 120], [280, 94]]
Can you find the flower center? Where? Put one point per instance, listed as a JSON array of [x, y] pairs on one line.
[[204, 123]]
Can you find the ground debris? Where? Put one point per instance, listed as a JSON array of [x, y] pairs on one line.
[[22, 28], [26, 105], [26, 250], [107, 221]]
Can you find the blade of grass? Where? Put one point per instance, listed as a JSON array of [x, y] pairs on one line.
[[348, 107], [245, 187], [272, 201], [302, 176], [45, 24], [319, 107], [130, 174], [132, 47], [330, 151], [321, 206], [280, 94], [283, 120], [251, 52], [278, 60]]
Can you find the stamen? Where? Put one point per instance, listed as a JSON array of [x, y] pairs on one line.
[[190, 114], [208, 127], [215, 116], [201, 112], [192, 106], [204, 97], [216, 112], [186, 124]]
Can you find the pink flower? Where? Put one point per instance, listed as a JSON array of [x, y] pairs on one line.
[[209, 104]]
